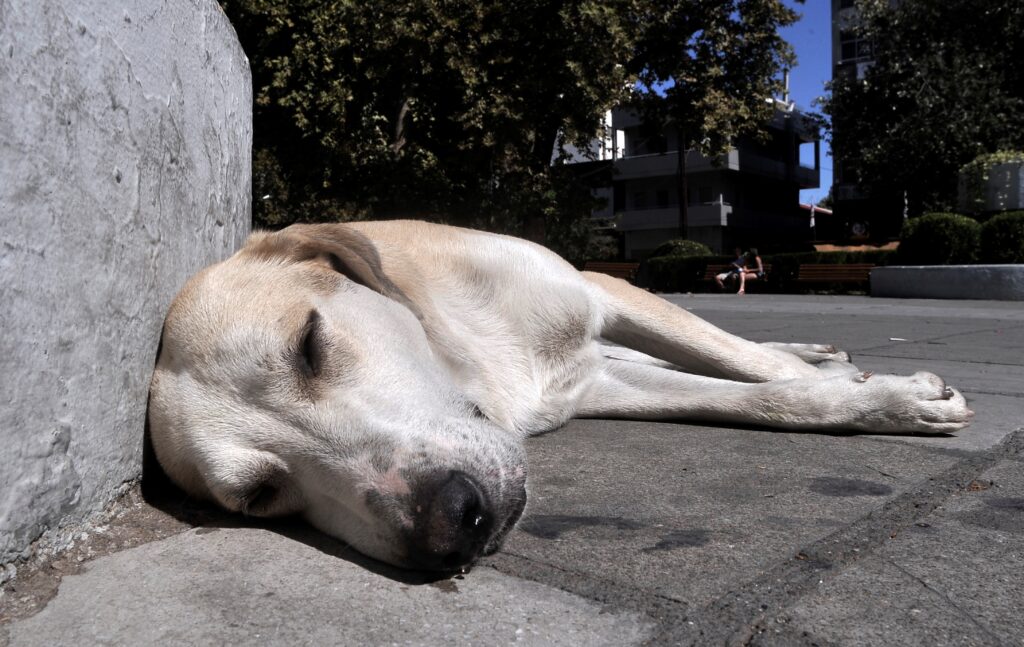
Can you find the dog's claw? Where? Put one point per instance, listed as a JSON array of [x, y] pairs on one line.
[[863, 377]]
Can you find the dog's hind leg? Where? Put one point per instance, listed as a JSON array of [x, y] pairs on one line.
[[649, 324], [920, 403], [615, 351]]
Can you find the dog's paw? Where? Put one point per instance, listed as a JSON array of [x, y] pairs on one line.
[[920, 403], [812, 353]]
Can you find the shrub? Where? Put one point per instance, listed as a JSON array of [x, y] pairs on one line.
[[678, 273], [1002, 238], [939, 239], [682, 247]]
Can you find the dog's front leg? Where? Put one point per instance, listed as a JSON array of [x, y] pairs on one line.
[[920, 403], [647, 323]]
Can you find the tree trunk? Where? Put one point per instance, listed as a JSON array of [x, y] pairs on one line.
[[535, 225], [681, 183]]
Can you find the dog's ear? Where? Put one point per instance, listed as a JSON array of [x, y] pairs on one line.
[[254, 482], [340, 248]]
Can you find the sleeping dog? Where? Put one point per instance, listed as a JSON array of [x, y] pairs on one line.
[[379, 379]]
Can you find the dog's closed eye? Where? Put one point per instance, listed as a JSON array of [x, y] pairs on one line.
[[311, 347]]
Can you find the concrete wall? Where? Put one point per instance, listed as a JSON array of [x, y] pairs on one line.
[[996, 282], [125, 148]]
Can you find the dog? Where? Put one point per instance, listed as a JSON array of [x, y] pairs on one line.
[[379, 378]]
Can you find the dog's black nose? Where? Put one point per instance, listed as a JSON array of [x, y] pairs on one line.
[[452, 522]]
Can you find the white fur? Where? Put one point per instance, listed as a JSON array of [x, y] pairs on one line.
[[451, 322]]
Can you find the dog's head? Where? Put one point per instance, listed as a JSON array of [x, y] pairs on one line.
[[295, 377]]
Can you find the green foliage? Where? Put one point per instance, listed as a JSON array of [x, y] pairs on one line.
[[827, 201], [722, 60], [679, 273], [976, 175], [452, 111], [1002, 238], [939, 239], [446, 111], [682, 247], [946, 85]]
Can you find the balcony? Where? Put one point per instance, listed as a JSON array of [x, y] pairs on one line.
[[639, 219], [712, 214], [805, 177], [662, 164], [698, 215]]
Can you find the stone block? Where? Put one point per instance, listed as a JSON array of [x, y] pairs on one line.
[[994, 282], [125, 167]]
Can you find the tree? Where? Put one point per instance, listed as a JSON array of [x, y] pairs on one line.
[[946, 85], [826, 201], [455, 110], [717, 65]]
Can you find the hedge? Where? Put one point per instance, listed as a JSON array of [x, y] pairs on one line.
[[939, 239], [682, 247], [1002, 238], [679, 273]]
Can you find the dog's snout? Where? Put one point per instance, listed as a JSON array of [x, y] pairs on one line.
[[452, 523]]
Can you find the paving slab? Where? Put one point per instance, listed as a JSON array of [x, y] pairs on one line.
[[996, 344], [217, 586], [689, 512], [800, 305], [954, 578]]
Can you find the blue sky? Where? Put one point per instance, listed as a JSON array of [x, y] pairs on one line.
[[811, 37]]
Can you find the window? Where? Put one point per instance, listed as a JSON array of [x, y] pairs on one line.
[[639, 200], [704, 195], [852, 47], [661, 198]]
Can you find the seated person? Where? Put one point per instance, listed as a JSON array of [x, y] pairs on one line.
[[752, 270], [734, 271]]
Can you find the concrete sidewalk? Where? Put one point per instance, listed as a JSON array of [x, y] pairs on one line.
[[636, 532]]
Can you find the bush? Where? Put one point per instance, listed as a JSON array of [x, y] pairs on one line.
[[939, 239], [678, 273], [682, 247], [1002, 238]]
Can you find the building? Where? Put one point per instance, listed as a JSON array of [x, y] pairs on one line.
[[747, 197]]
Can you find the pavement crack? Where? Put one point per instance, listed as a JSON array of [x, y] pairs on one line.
[[878, 471], [665, 612], [945, 598], [999, 393]]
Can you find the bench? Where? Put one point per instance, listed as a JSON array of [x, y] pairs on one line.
[[618, 270], [834, 273]]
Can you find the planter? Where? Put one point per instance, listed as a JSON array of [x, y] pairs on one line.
[[1001, 190], [996, 282]]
